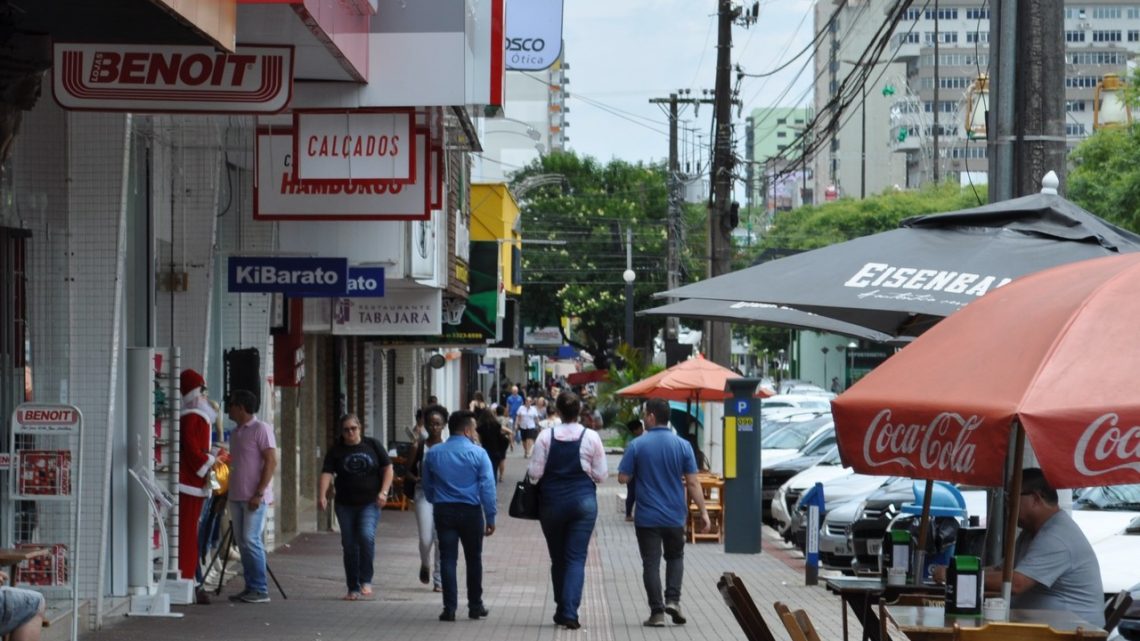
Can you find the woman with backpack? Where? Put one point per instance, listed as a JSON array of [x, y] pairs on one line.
[[363, 476]]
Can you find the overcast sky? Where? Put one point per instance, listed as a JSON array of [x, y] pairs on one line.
[[623, 52]]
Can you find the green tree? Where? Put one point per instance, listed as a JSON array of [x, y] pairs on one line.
[[1105, 178], [573, 264], [1105, 175]]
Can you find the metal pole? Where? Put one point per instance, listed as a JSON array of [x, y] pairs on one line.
[[628, 286], [937, 175], [863, 146]]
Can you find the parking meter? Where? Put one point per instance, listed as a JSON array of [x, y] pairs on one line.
[[742, 486]]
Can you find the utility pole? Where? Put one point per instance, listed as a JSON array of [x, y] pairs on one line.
[[676, 198], [1025, 128], [720, 224]]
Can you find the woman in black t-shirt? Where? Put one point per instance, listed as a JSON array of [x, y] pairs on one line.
[[363, 477]]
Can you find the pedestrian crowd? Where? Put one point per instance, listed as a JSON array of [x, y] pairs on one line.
[[452, 481]]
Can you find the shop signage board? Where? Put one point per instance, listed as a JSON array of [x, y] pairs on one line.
[[277, 195], [145, 78], [357, 145], [534, 34], [402, 312], [294, 276]]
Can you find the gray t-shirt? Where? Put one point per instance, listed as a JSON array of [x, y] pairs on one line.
[[1061, 561]]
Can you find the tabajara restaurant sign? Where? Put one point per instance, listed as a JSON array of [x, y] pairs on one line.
[[162, 78], [359, 145], [400, 313], [277, 195]]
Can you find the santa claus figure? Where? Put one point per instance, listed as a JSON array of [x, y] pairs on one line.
[[196, 459]]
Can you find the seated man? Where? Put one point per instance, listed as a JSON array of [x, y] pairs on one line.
[[21, 612], [1054, 568]]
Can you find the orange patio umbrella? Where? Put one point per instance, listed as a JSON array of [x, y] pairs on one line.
[[696, 379]]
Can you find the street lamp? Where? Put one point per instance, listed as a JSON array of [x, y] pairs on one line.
[[629, 276]]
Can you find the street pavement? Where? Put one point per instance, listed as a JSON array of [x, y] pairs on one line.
[[516, 590]]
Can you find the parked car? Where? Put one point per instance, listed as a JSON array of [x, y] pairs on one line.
[[882, 507], [835, 551], [1110, 519], [778, 473], [782, 402], [840, 484], [786, 441]]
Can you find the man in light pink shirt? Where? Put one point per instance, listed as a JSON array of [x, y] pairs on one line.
[[253, 460]]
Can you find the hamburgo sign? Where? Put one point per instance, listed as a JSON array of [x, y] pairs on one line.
[[277, 195], [162, 78]]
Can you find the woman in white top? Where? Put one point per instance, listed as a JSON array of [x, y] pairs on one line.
[[568, 462], [435, 417]]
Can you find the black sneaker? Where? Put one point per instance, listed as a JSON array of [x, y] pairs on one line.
[[447, 615], [255, 597], [239, 596], [478, 613], [424, 577]]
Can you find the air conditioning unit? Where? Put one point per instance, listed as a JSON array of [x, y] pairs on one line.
[[1084, 26]]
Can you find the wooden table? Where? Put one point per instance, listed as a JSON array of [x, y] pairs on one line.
[[13, 557], [932, 623], [861, 594]]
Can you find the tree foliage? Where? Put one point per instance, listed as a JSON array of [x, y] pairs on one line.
[[575, 269], [1105, 177]]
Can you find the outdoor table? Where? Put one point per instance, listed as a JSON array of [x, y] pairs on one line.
[[860, 594], [933, 624], [13, 557]]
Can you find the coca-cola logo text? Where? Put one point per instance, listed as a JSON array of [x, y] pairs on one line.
[[1106, 447], [943, 444]]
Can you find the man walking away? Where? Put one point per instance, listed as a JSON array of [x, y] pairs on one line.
[[458, 481], [253, 459], [656, 462]]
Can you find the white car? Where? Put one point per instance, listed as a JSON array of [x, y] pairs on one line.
[[1110, 520], [817, 402], [788, 495], [784, 442]]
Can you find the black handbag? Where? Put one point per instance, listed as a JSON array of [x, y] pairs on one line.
[[524, 503]]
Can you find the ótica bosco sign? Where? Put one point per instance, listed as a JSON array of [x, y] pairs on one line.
[[356, 145], [163, 78]]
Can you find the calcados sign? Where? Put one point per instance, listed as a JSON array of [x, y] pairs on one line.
[[163, 78]]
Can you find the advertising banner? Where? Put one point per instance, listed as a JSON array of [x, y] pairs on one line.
[[402, 312], [164, 78], [357, 145]]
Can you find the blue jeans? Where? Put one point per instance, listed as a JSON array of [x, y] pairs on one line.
[[358, 540], [568, 526], [455, 522], [248, 526], [651, 541]]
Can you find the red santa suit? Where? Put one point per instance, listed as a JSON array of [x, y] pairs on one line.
[[196, 458]]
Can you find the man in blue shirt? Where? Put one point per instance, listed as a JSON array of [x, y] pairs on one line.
[[514, 402], [656, 462], [459, 483]]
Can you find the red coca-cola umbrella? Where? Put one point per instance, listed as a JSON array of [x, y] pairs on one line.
[[1050, 357]]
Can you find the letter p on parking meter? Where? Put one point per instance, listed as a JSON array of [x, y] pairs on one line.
[[742, 487]]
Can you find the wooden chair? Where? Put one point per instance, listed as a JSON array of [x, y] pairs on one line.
[[1020, 632], [743, 608], [1115, 608], [797, 623], [712, 487]]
